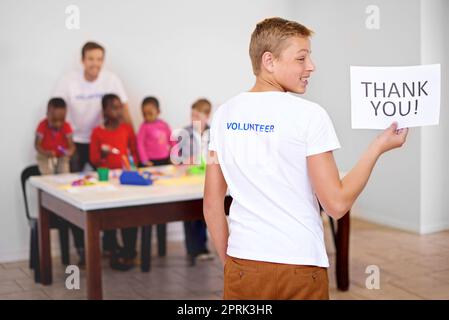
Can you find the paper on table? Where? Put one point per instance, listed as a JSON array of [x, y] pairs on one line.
[[185, 180], [92, 188]]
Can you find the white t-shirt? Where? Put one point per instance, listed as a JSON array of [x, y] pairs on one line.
[[262, 140], [83, 100]]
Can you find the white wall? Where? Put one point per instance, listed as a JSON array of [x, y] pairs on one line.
[[181, 50], [392, 195], [176, 50], [435, 140]]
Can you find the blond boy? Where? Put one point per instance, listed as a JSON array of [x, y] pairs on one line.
[[274, 151]]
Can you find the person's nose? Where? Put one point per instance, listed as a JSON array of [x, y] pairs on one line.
[[310, 65]]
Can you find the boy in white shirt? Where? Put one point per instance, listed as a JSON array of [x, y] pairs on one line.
[[273, 150]]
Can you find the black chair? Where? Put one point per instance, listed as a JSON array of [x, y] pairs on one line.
[[58, 223]]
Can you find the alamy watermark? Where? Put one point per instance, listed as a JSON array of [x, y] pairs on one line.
[[373, 280], [72, 282], [72, 20]]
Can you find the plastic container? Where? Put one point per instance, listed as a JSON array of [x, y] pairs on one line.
[[103, 174], [134, 178]]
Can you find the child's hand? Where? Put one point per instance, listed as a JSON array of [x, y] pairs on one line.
[[105, 150], [149, 164], [50, 153], [391, 138], [70, 153]]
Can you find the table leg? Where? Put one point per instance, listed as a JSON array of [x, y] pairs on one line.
[[342, 243], [93, 258], [44, 243], [145, 264]]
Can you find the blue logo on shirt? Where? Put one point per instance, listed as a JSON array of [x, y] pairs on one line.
[[89, 96], [250, 127]]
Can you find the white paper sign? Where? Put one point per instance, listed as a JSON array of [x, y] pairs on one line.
[[408, 95]]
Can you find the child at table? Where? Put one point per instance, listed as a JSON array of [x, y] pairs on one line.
[[153, 138], [111, 142], [154, 146], [54, 143], [192, 149], [55, 147]]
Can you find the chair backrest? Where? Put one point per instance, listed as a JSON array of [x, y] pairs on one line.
[[26, 174]]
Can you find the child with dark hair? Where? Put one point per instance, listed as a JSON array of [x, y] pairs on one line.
[[153, 143], [53, 141], [55, 147], [153, 138], [109, 143]]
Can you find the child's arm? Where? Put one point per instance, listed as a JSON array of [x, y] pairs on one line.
[[39, 149], [141, 137], [132, 145], [338, 195], [95, 152], [172, 144], [168, 132], [71, 146], [213, 206]]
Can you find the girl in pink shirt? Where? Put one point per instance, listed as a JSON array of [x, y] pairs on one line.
[[153, 138]]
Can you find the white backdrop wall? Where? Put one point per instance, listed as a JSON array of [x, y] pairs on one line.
[[434, 151], [176, 50], [392, 195], [182, 50]]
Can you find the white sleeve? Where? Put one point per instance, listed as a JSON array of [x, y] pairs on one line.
[[117, 88], [320, 135]]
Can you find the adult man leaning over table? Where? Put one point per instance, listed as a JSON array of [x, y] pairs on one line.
[[82, 91]]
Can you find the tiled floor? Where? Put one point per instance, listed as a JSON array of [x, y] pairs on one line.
[[411, 267]]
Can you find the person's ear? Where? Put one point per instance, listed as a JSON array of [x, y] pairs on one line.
[[268, 61]]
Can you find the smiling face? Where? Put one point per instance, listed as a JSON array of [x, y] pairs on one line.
[[93, 61], [292, 69]]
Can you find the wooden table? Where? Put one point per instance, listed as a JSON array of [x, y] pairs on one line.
[[115, 206]]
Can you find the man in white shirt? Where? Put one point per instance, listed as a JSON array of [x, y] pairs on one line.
[[273, 150], [83, 91]]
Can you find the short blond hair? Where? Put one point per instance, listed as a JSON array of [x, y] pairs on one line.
[[270, 35], [202, 105]]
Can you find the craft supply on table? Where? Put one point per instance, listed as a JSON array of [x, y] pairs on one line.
[[181, 181], [87, 180], [136, 178], [131, 162], [103, 174], [199, 169]]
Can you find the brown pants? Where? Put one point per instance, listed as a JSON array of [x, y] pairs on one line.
[[254, 280], [52, 165]]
